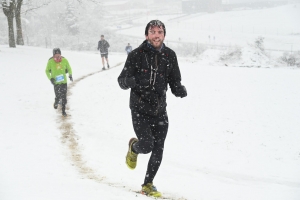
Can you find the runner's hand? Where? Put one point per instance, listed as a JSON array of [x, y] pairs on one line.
[[52, 81], [181, 91], [130, 82]]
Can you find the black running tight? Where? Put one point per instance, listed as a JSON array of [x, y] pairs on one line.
[[151, 132], [61, 93]]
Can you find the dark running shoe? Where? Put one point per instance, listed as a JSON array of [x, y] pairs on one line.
[[55, 105], [64, 113]]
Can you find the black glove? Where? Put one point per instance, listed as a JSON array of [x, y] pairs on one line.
[[130, 81], [180, 91], [71, 78], [52, 81]]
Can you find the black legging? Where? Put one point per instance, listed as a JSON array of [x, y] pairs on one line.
[[151, 132], [61, 93]]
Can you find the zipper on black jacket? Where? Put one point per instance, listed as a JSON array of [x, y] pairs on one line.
[[155, 72]]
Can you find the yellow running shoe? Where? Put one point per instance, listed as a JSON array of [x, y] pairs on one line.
[[150, 190], [131, 157]]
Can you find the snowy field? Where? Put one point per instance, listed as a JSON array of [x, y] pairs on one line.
[[279, 26], [235, 136]]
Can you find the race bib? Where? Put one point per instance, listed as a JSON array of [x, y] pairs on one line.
[[59, 78]]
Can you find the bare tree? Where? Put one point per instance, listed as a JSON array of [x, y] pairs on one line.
[[18, 6], [11, 9], [32, 5], [8, 10]]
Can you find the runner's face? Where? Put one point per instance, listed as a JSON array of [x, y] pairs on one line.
[[57, 56], [156, 36]]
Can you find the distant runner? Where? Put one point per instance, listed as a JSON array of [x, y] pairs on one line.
[[128, 48], [56, 71], [103, 46]]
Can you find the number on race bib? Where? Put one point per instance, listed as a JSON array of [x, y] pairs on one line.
[[60, 78]]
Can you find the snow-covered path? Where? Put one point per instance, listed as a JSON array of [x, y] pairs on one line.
[[234, 137]]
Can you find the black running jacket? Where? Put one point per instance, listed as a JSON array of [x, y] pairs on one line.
[[153, 71]]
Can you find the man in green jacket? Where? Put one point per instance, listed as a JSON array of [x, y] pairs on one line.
[[56, 71]]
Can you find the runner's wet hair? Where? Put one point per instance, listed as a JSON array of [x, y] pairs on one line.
[[157, 23]]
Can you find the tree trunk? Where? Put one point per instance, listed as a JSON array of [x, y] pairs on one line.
[[20, 40], [8, 10], [11, 34]]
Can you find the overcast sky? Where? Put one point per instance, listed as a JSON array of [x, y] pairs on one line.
[[241, 1]]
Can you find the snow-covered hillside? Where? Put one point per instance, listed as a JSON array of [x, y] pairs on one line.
[[279, 26], [234, 137]]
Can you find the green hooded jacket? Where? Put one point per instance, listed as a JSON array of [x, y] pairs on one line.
[[59, 70]]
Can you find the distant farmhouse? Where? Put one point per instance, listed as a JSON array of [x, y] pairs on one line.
[[191, 6], [252, 4], [196, 6]]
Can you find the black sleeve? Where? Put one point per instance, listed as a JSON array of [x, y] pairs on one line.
[[174, 77], [129, 70]]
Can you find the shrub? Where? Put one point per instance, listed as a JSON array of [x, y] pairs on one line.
[[233, 53], [259, 43], [291, 59]]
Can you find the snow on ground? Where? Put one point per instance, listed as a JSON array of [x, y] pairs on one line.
[[247, 56], [33, 162], [279, 26], [234, 137]]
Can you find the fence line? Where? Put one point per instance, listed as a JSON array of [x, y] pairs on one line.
[[191, 48], [267, 30]]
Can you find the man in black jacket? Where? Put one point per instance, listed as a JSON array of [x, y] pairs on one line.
[[103, 46], [148, 71]]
